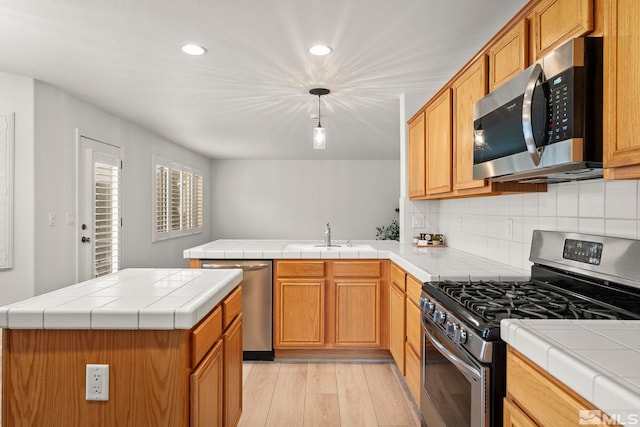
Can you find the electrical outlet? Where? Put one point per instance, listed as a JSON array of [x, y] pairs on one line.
[[52, 219], [509, 229], [97, 383], [460, 224]]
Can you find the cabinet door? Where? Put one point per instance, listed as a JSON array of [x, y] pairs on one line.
[[298, 313], [621, 89], [438, 144], [515, 417], [412, 373], [416, 158], [556, 21], [467, 89], [414, 327], [207, 390], [397, 328], [509, 55], [233, 372], [357, 320]]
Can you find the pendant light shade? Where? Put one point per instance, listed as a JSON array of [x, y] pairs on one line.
[[319, 133], [319, 138]]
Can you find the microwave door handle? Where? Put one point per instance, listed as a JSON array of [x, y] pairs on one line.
[[527, 108]]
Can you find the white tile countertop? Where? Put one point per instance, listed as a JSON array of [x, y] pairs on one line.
[[598, 359], [426, 264], [137, 298]]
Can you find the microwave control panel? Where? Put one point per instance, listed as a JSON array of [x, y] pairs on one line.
[[560, 104]]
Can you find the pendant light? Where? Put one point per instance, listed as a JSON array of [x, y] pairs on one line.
[[319, 135]]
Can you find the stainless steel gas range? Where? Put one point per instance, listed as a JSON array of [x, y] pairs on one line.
[[574, 276]]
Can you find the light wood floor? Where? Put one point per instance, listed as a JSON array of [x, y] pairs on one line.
[[326, 394]]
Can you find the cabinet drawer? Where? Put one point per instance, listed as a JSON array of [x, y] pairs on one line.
[[231, 306], [398, 277], [356, 269], [546, 400], [300, 268], [414, 289], [205, 335]]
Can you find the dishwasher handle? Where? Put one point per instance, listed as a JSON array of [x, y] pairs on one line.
[[246, 267]]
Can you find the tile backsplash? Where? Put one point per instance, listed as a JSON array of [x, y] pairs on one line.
[[501, 227]]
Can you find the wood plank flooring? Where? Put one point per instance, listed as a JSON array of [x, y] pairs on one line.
[[326, 394]]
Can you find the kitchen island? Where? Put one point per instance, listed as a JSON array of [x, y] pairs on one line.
[[160, 331]]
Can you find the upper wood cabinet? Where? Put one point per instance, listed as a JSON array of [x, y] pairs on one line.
[[555, 21], [509, 55], [467, 89], [621, 153], [416, 157], [438, 144]]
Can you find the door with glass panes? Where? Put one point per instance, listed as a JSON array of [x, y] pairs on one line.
[[99, 216]]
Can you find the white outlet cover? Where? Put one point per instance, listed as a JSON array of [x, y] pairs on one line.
[[97, 382]]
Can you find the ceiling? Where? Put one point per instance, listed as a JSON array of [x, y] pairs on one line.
[[248, 97]]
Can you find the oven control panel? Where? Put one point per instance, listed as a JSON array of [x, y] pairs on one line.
[[583, 251]]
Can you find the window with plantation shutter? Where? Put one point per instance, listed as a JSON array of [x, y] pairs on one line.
[[107, 219], [178, 200], [162, 199]]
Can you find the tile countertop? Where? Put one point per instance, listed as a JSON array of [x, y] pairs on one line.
[[598, 359], [136, 298], [425, 264]]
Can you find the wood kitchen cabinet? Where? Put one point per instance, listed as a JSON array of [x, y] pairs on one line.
[[406, 326], [232, 339], [621, 154], [535, 398], [553, 22], [398, 316], [207, 394], [299, 304], [413, 348], [416, 157], [509, 55], [330, 305], [438, 146]]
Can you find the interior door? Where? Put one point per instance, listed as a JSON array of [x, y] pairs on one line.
[[99, 214]]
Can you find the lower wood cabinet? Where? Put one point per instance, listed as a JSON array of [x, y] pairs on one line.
[[535, 398], [232, 339], [207, 390], [397, 325], [330, 304]]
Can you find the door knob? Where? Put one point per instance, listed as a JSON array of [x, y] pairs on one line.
[[86, 239]]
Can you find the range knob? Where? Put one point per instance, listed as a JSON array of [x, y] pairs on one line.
[[439, 317], [460, 336], [427, 305], [451, 328]]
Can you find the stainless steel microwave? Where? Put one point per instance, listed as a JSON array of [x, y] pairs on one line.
[[545, 124]]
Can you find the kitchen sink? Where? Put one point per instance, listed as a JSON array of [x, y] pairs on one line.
[[320, 247]]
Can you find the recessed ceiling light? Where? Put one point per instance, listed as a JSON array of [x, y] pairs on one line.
[[320, 50], [193, 49]]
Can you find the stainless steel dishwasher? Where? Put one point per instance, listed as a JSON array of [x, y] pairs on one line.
[[257, 296]]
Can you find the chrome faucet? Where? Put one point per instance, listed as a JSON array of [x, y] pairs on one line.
[[327, 235]]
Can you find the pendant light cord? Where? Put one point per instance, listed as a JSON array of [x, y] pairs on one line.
[[319, 124]]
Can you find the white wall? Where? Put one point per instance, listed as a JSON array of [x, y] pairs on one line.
[[610, 208], [287, 199], [57, 115], [17, 97]]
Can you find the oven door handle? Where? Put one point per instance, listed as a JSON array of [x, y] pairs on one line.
[[459, 363]]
